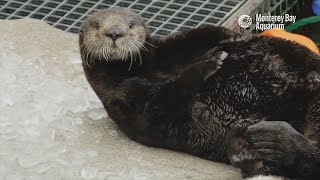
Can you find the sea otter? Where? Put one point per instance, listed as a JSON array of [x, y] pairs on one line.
[[250, 100]]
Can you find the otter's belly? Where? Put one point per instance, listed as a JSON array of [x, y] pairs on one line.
[[219, 106], [209, 126]]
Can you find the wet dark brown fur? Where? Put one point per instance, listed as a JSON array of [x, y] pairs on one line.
[[179, 99]]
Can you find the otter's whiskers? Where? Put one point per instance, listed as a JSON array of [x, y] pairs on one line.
[[135, 47], [131, 56], [147, 42], [87, 54]]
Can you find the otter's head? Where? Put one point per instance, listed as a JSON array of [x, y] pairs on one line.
[[115, 34]]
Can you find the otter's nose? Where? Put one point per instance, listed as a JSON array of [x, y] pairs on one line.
[[114, 33]]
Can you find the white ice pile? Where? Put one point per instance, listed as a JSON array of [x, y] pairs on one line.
[[52, 125]]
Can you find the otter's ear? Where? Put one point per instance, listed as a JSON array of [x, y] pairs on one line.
[[81, 36]]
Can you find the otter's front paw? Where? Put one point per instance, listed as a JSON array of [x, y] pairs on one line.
[[210, 66], [196, 74], [214, 62]]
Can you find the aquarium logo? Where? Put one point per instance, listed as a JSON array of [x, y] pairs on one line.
[[265, 22], [245, 21]]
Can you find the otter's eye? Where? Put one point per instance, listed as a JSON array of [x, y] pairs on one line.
[[131, 25]]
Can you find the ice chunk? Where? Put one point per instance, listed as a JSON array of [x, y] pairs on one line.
[[65, 123], [113, 132], [77, 121], [104, 175], [89, 172], [7, 77], [14, 177], [42, 168], [11, 61], [135, 173], [96, 114], [29, 160], [93, 153]]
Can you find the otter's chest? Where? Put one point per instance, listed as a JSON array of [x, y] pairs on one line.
[[227, 100]]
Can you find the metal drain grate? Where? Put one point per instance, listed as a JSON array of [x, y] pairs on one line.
[[162, 16]]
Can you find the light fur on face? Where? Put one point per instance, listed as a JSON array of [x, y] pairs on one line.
[[261, 177], [95, 45]]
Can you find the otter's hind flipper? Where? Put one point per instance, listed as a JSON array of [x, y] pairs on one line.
[[274, 148], [241, 153]]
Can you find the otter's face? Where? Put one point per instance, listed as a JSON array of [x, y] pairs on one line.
[[115, 34]]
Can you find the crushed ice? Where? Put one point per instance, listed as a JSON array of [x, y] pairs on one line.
[[42, 110], [46, 105]]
